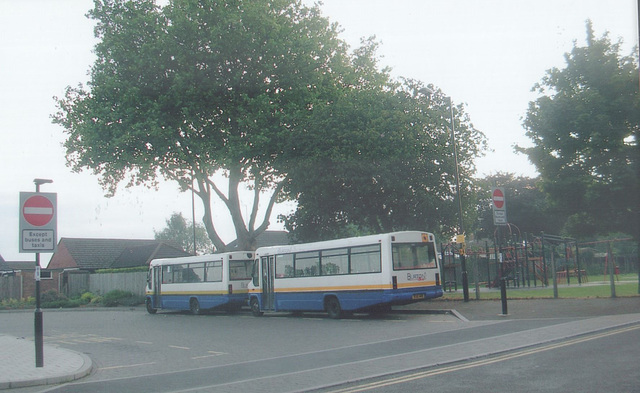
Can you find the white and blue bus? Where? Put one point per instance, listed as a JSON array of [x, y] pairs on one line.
[[200, 282], [358, 274]]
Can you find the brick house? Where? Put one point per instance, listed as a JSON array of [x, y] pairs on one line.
[[17, 279], [93, 254]]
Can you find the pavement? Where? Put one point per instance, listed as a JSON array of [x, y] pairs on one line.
[[17, 355], [18, 364]]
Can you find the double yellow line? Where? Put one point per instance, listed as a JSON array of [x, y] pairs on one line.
[[483, 362]]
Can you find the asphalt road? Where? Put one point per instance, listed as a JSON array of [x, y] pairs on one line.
[[172, 352], [599, 362]]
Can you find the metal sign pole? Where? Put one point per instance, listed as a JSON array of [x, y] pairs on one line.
[[38, 322]]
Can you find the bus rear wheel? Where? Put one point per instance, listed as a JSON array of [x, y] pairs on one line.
[[150, 308], [334, 310], [255, 307], [194, 306]]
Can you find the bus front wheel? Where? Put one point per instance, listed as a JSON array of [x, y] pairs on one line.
[[333, 308], [255, 307]]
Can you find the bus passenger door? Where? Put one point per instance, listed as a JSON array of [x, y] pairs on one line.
[[268, 272], [157, 283]]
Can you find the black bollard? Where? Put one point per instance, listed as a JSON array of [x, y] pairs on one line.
[[503, 295]]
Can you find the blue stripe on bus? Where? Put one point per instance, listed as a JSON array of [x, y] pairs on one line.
[[181, 302], [352, 300]]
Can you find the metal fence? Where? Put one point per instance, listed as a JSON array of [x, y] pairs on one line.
[[541, 261], [10, 287], [79, 282]]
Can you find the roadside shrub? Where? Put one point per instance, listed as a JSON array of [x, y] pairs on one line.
[[54, 299], [87, 297], [52, 296], [119, 297], [12, 304], [96, 300]]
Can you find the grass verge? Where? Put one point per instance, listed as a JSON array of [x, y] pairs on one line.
[[574, 291]]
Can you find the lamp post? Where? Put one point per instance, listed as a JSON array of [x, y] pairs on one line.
[[38, 312], [193, 214], [463, 263], [463, 258]]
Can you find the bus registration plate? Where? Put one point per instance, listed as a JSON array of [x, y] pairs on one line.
[[418, 296]]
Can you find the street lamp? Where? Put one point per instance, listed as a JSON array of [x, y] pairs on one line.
[[463, 263], [38, 312]]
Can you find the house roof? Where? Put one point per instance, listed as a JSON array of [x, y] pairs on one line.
[[8, 266], [142, 255], [91, 254], [3, 265]]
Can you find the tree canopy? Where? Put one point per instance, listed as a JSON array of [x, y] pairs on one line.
[[265, 93], [180, 231], [196, 88], [585, 132], [382, 160]]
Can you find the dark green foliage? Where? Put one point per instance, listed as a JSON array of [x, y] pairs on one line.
[[381, 160], [180, 231], [585, 132], [119, 297], [200, 87], [123, 270]]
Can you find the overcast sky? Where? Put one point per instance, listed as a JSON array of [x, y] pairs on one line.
[[486, 54]]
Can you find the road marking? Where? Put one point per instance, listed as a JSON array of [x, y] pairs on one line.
[[211, 354], [126, 366], [482, 362], [177, 347], [74, 339]]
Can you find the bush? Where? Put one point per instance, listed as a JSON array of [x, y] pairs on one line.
[[53, 299], [119, 297], [13, 304], [87, 297]]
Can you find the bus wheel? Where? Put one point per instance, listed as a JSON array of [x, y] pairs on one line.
[[255, 307], [150, 308], [333, 308], [194, 306]]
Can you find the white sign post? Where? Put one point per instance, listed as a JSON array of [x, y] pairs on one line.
[[499, 207], [38, 222]]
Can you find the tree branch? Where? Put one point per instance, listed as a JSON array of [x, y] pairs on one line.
[[274, 197]]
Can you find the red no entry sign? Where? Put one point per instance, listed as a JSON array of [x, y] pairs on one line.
[[499, 207], [498, 198], [38, 210], [38, 222]]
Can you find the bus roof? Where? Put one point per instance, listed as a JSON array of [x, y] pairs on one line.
[[203, 258], [346, 242]]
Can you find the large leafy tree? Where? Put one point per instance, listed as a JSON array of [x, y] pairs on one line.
[[181, 232], [197, 88], [585, 131], [382, 161]]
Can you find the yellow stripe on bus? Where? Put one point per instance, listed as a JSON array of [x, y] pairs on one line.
[[356, 287], [235, 291]]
